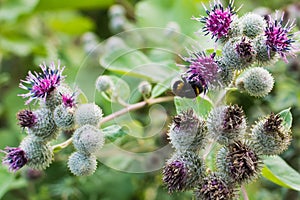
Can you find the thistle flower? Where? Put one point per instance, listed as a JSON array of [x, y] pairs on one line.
[[183, 171], [271, 135], [215, 186], [187, 132], [226, 123], [26, 118], [239, 161], [41, 84], [278, 37], [219, 19], [68, 100], [15, 158], [203, 70]]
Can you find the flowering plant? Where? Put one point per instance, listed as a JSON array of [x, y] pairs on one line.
[[216, 150]]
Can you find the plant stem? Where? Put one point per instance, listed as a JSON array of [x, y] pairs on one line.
[[135, 107], [244, 192], [119, 113], [63, 145]]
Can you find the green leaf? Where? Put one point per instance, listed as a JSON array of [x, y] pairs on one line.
[[200, 105], [120, 91], [157, 13], [132, 62], [70, 22], [82, 98], [72, 4], [114, 132], [287, 117], [12, 9], [8, 181], [279, 172], [160, 88]]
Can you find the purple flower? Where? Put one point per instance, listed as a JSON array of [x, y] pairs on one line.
[[15, 158], [26, 118], [203, 70], [278, 37], [41, 84], [68, 100], [218, 21], [174, 175]]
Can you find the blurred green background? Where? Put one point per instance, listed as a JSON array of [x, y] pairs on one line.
[[36, 31]]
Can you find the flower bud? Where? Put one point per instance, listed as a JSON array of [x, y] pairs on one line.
[[187, 132], [55, 98], [253, 25], [145, 88], [215, 186], [88, 139], [64, 117], [103, 83], [238, 53], [38, 153], [226, 123], [45, 127], [240, 162], [89, 113], [183, 171], [271, 135], [256, 82], [26, 118], [82, 164]]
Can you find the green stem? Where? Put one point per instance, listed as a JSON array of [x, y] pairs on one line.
[[244, 192], [123, 111]]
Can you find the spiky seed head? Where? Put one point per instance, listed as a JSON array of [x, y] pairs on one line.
[[45, 127], [89, 113], [239, 53], [240, 162], [88, 139], [103, 83], [38, 153], [253, 25], [183, 171], [215, 186], [64, 117], [226, 123], [187, 132], [271, 135], [255, 81], [82, 164]]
